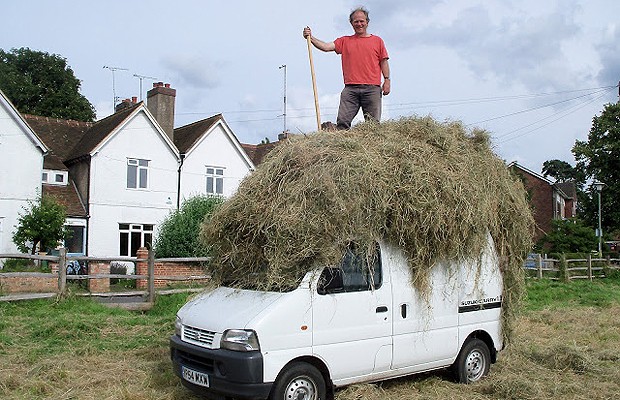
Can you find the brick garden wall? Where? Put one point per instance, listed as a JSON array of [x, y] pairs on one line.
[[17, 283], [167, 269]]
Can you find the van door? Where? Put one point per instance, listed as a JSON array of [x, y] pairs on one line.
[[425, 324], [352, 317]]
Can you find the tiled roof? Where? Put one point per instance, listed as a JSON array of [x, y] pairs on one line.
[[186, 136], [98, 132], [568, 188], [59, 135], [67, 196], [257, 152]]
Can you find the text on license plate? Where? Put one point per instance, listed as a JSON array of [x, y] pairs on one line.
[[195, 377]]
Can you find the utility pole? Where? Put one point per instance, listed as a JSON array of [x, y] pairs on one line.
[[141, 77], [114, 69], [283, 66]]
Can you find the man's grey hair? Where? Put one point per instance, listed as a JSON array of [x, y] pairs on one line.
[[362, 9]]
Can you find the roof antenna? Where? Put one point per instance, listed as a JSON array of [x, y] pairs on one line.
[[141, 77], [113, 69], [284, 115]]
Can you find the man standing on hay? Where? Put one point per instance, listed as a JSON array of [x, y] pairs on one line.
[[364, 60]]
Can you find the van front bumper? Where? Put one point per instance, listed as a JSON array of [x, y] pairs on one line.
[[231, 373]]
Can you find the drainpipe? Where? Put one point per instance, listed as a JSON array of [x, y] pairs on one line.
[[179, 181]]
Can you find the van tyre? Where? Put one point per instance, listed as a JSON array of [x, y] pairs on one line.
[[473, 362], [299, 381]]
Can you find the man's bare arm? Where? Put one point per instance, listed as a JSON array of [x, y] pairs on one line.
[[385, 70], [318, 43]]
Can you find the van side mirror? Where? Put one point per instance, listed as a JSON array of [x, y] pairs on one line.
[[331, 281]]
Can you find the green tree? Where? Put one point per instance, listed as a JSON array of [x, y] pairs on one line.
[[41, 226], [569, 236], [43, 84], [179, 233], [599, 158], [561, 171]]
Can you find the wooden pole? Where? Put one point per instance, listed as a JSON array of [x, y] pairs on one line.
[[316, 95], [62, 272]]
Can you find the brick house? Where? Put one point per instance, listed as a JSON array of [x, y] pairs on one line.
[[549, 200]]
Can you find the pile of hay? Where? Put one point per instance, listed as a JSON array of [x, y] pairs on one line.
[[432, 188]]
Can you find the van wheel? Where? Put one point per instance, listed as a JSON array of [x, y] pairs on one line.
[[300, 381], [473, 362]]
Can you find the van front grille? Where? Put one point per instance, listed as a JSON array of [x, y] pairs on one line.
[[198, 336]]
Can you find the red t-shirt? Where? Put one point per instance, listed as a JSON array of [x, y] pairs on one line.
[[360, 59]]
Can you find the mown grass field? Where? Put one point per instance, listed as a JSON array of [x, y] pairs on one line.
[[567, 347]]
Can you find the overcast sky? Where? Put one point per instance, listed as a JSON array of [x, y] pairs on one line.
[[533, 73]]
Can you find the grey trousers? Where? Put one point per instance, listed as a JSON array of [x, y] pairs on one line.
[[352, 97]]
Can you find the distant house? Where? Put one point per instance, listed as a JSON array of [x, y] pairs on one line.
[[213, 161], [121, 176], [549, 200], [21, 168]]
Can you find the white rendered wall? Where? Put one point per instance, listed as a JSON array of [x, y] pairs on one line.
[[215, 150], [21, 165], [111, 203]]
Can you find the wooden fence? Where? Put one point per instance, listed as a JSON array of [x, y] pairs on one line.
[[145, 259], [536, 266], [539, 267]]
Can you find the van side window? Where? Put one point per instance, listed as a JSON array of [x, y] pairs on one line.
[[357, 272]]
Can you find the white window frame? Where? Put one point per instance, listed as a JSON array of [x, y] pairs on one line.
[[79, 223], [214, 182], [50, 177], [136, 167], [134, 228]]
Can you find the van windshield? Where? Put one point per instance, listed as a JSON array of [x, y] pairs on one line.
[[263, 282]]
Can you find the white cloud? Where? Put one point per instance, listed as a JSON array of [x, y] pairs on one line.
[[193, 70]]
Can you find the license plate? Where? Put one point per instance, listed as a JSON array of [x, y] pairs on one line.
[[195, 377]]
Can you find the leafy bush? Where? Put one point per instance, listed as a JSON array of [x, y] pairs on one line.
[[41, 226], [179, 233]]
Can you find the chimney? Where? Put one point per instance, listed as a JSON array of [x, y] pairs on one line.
[[160, 102], [125, 104]]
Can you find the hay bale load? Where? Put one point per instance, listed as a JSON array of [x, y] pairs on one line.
[[434, 189]]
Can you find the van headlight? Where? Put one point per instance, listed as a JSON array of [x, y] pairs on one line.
[[178, 327], [239, 340]]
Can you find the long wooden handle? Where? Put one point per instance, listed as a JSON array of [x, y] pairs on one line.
[[316, 95]]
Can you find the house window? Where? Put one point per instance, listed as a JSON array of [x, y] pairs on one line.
[[134, 236], [137, 173], [55, 177], [215, 180]]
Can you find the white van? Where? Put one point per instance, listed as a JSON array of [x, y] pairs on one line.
[[341, 325]]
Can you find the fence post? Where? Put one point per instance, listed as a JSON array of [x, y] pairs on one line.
[[590, 266], [151, 274], [540, 266], [564, 268], [62, 272]]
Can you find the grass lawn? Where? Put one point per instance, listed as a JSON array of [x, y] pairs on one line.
[[567, 346]]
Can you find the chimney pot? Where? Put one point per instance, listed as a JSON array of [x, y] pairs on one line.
[[167, 85], [134, 99]]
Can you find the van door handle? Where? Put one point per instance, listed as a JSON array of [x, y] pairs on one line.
[[382, 309]]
